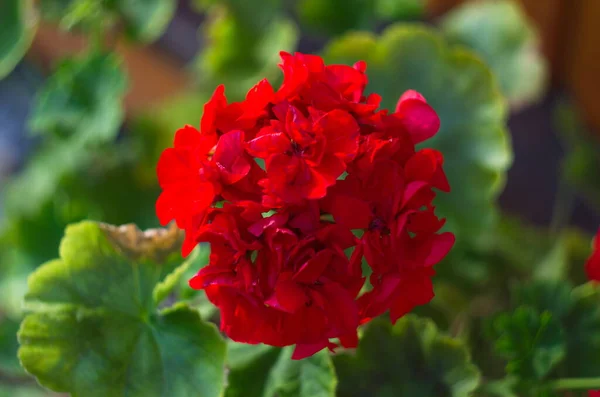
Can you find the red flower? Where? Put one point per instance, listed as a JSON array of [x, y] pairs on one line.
[[305, 155], [285, 267], [592, 266], [594, 393]]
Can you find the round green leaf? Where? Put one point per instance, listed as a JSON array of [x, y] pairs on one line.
[[95, 329], [82, 100], [463, 91], [411, 358], [18, 23], [266, 371], [500, 32]]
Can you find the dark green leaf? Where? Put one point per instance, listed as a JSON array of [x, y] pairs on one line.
[[18, 23], [411, 358], [400, 10], [333, 17], [82, 100], [94, 327], [463, 91], [578, 312], [253, 15], [582, 326], [265, 371], [532, 342], [499, 31]]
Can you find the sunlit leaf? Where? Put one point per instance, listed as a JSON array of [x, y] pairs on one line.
[[94, 328]]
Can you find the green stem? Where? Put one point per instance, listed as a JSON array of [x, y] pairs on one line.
[[576, 384]]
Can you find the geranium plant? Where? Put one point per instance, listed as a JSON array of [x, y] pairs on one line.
[[332, 229]]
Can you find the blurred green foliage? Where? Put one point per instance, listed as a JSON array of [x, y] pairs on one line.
[[18, 22], [499, 32], [333, 17], [242, 45], [582, 147], [142, 20], [82, 100], [411, 358]]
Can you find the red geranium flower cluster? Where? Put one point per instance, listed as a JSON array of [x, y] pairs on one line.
[[592, 266], [281, 184]]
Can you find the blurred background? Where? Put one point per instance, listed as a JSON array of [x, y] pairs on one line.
[[80, 136]]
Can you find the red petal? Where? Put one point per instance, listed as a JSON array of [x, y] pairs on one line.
[[441, 246], [415, 291], [351, 212], [419, 119], [267, 144], [313, 268], [592, 265], [288, 297], [341, 131], [187, 137], [230, 157], [306, 350]]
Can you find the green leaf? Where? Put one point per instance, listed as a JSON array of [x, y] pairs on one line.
[[463, 91], [265, 371], [333, 17], [84, 15], [253, 15], [82, 100], [238, 57], [578, 312], [499, 388], [145, 20], [532, 342], [18, 23], [94, 327], [500, 32], [400, 10], [411, 358]]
